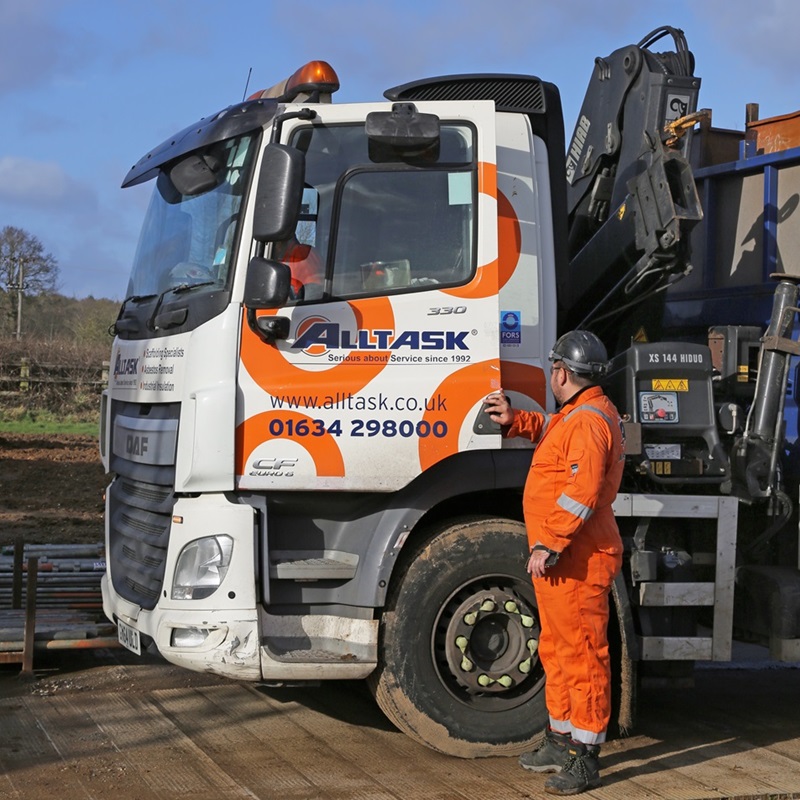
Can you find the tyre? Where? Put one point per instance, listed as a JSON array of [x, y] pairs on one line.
[[458, 667]]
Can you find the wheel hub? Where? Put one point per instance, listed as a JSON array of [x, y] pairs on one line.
[[491, 641]]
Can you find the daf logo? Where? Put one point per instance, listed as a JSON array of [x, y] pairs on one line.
[[136, 445]]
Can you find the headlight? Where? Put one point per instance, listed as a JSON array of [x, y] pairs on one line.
[[201, 567]]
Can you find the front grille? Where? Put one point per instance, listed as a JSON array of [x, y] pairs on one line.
[[139, 524], [141, 498], [518, 94]]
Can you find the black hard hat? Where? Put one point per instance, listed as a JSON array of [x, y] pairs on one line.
[[582, 353]]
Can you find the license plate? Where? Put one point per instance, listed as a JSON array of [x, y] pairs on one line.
[[129, 637]]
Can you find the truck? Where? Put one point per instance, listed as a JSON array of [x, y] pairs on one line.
[[304, 484]]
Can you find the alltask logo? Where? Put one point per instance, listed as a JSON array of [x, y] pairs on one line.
[[125, 366], [331, 335]]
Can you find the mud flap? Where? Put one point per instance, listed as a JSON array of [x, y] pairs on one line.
[[624, 661]]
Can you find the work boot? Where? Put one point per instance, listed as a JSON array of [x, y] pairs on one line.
[[581, 770], [550, 755]]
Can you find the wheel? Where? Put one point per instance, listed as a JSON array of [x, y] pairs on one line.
[[458, 668]]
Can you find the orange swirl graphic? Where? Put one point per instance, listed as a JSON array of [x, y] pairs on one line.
[[525, 379], [487, 178], [254, 431], [466, 387], [462, 389], [494, 275], [509, 239], [269, 368]]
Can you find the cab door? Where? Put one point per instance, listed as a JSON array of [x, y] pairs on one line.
[[390, 353]]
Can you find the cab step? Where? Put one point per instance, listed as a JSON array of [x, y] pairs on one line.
[[305, 565]]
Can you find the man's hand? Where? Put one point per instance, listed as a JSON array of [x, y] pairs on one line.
[[498, 408], [536, 563]]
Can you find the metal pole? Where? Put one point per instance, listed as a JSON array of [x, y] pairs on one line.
[[770, 385], [19, 299], [30, 617]]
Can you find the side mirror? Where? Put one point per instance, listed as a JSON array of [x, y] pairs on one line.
[[403, 128], [267, 284], [279, 193]]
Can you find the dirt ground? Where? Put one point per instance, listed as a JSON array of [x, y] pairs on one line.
[[51, 489], [107, 724], [113, 726]]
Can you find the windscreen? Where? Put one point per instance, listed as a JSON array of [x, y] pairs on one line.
[[190, 228]]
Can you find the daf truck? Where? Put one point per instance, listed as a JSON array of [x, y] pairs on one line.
[[304, 486]]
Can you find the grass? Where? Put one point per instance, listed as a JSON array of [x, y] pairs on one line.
[[45, 422]]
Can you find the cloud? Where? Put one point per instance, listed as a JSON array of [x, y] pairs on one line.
[[41, 44], [40, 184]]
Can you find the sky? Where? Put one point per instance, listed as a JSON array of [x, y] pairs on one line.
[[89, 86]]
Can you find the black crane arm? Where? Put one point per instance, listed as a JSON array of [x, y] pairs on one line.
[[631, 198]]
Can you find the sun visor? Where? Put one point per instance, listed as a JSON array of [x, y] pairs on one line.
[[232, 121]]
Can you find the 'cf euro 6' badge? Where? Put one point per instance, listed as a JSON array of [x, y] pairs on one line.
[[273, 467]]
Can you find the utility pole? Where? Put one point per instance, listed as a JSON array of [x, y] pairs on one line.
[[19, 287]]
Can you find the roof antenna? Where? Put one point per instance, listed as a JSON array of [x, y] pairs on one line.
[[247, 83]]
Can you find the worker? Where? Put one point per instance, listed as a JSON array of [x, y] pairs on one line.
[[308, 272], [575, 553]]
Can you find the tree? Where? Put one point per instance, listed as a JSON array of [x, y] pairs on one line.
[[25, 269]]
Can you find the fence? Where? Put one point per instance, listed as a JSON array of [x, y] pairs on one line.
[[30, 376]]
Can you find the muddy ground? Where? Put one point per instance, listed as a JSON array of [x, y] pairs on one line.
[[51, 489]]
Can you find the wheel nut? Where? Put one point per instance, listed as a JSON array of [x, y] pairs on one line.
[[511, 607], [461, 643], [470, 619], [506, 681], [488, 605], [466, 664], [485, 680], [525, 666], [527, 622], [533, 645]]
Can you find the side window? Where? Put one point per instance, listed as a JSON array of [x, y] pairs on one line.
[[302, 254], [306, 232], [372, 228], [403, 229]]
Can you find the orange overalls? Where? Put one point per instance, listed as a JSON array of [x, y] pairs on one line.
[[305, 264], [574, 478]]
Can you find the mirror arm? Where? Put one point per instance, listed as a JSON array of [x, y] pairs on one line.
[[277, 125], [268, 329]]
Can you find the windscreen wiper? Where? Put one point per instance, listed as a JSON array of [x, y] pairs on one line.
[[185, 287], [127, 325], [176, 316]]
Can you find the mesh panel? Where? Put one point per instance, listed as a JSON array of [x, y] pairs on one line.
[[509, 94]]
